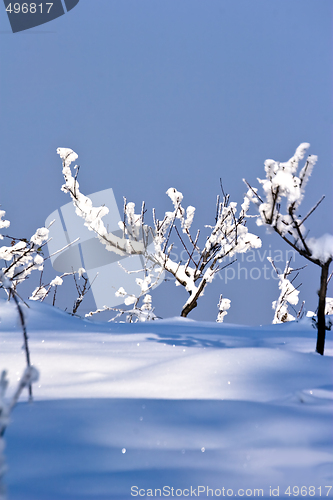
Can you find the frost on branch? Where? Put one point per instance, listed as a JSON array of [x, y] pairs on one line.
[[223, 305], [288, 295]]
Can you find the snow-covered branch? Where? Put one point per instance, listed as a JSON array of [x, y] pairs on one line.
[[223, 305], [145, 311], [284, 184], [23, 256], [288, 295], [93, 215]]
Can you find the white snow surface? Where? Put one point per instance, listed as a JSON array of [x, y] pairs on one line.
[[166, 404]]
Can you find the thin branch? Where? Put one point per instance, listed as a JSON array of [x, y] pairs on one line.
[[217, 208], [301, 309], [185, 247], [221, 186], [312, 210], [306, 248], [253, 191]]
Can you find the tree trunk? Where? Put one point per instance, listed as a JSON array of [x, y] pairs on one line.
[[321, 308], [188, 308], [193, 303]]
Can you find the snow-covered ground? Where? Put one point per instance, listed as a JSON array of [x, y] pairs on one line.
[[199, 409]]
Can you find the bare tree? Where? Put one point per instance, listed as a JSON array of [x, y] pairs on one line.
[[282, 181]]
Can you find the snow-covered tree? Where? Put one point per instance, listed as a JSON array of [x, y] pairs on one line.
[[227, 237], [139, 312], [284, 181], [288, 295], [22, 256], [142, 309], [223, 305], [82, 290]]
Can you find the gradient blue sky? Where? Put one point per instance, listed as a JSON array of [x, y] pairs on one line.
[[153, 94]]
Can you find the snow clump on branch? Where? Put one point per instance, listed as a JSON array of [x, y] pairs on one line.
[[282, 182], [223, 305]]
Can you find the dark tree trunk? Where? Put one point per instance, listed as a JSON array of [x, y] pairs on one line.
[[321, 308], [187, 309], [193, 304]]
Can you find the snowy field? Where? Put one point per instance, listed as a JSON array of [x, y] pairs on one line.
[[171, 408]]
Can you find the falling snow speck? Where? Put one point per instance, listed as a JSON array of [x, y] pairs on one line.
[[203, 449], [123, 450]]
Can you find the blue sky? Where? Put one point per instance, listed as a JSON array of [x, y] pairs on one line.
[[158, 94]]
